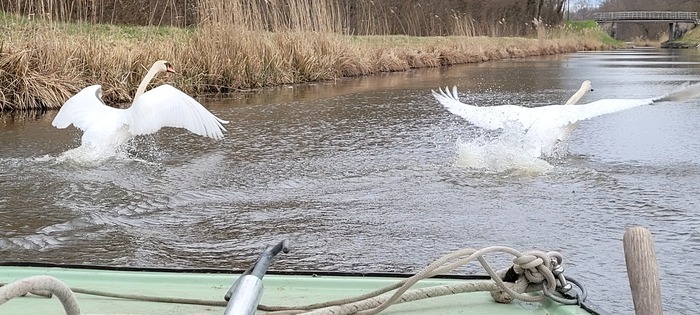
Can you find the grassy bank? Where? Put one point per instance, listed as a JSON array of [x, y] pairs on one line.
[[691, 39], [42, 63]]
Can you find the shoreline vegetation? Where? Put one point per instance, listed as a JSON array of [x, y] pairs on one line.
[[45, 60], [691, 39]]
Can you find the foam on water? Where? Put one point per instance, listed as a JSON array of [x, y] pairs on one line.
[[510, 150], [496, 156], [89, 156]]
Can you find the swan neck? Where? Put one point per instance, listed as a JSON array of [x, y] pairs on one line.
[[576, 97], [147, 79]]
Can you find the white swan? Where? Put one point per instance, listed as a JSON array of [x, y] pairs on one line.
[[106, 127], [542, 125]]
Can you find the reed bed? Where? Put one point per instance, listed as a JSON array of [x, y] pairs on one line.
[[43, 62]]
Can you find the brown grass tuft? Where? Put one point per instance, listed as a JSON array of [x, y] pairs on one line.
[[27, 85]]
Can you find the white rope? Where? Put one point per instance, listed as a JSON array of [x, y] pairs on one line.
[[373, 305], [41, 283], [533, 266]]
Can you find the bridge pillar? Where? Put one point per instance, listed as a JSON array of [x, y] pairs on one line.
[[671, 31]]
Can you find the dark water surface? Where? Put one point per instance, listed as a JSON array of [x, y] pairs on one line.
[[372, 174]]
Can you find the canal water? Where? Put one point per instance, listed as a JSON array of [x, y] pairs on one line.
[[373, 175]]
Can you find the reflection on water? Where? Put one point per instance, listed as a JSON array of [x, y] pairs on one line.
[[369, 174]]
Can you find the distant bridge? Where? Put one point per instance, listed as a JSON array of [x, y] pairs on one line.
[[647, 16], [670, 17]]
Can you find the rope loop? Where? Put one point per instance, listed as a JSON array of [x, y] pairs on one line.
[[41, 283]]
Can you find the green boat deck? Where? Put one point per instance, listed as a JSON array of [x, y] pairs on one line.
[[279, 290]]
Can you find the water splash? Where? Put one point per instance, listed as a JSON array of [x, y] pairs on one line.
[[510, 150], [90, 156]]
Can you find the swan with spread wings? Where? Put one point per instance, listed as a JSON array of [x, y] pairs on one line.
[[543, 126], [106, 127]]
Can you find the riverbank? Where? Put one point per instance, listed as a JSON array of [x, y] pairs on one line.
[[42, 64], [691, 39]]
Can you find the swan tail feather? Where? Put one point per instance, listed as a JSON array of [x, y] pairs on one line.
[[684, 93], [446, 94]]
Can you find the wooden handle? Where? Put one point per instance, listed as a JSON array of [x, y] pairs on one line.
[[642, 271]]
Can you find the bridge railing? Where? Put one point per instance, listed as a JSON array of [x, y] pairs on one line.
[[646, 15]]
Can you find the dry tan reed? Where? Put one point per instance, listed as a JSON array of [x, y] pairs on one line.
[[26, 84], [43, 62]]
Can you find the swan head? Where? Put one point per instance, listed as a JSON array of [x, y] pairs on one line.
[[586, 86], [164, 66]]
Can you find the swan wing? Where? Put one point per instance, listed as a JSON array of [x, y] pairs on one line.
[[555, 122], [84, 109], [487, 117], [561, 115], [564, 115], [683, 93], [166, 106]]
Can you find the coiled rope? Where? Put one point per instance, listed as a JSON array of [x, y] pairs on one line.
[[534, 269]]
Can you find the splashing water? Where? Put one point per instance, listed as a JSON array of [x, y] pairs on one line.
[[90, 156], [510, 150]]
